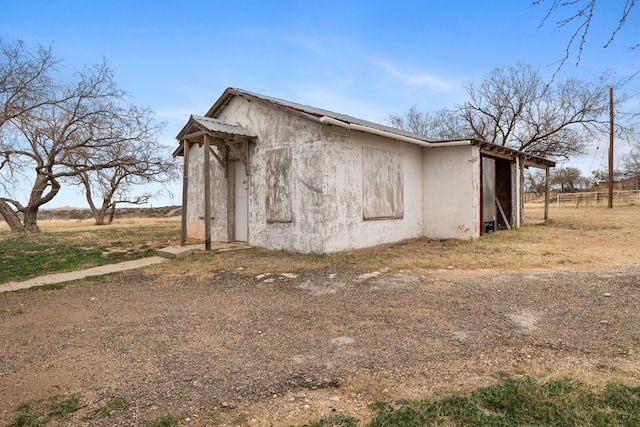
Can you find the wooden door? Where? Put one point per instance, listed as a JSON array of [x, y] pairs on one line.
[[241, 202]]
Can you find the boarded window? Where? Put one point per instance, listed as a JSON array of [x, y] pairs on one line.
[[279, 185], [383, 184]]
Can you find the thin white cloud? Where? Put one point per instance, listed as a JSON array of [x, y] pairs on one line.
[[417, 79], [179, 113]]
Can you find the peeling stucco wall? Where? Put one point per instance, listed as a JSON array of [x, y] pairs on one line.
[[345, 226], [278, 130], [195, 204], [432, 191], [451, 192]]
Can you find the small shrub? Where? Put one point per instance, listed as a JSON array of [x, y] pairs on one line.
[[76, 215]]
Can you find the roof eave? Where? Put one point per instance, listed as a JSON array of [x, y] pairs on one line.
[[221, 102]]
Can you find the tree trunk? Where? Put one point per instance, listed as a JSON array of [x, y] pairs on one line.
[[112, 213], [12, 218], [99, 217], [98, 214], [31, 220]]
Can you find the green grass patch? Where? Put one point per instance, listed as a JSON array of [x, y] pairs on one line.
[[40, 413], [166, 421], [29, 415], [24, 256], [106, 409], [60, 409], [334, 421], [512, 402]]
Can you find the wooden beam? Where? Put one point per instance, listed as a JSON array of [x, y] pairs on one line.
[[493, 153], [223, 163], [504, 217], [546, 193], [237, 153], [521, 195], [231, 204], [246, 150], [515, 197], [207, 195], [194, 135], [185, 193]]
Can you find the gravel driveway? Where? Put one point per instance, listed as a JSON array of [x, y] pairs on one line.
[[284, 348]]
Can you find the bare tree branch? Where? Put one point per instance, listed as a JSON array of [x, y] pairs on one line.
[[66, 131], [580, 15], [513, 107]]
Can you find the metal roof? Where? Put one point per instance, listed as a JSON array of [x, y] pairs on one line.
[[316, 112], [319, 112], [214, 126]]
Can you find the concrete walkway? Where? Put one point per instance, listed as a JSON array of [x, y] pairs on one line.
[[165, 254], [52, 279]]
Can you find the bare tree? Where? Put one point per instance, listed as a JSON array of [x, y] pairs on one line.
[[25, 81], [442, 125], [631, 163], [515, 108], [535, 182], [43, 139], [143, 160], [25, 84], [570, 179], [579, 14]]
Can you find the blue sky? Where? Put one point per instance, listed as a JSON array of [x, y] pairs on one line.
[[368, 59]]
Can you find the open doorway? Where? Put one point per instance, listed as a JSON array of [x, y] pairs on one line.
[[504, 193], [497, 185]]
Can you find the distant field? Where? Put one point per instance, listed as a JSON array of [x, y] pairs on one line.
[[72, 217]]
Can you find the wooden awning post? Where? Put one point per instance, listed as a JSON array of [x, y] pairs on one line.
[[227, 139], [521, 195], [207, 195], [185, 193], [546, 194]]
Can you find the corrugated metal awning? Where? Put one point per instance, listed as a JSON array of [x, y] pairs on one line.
[[213, 126], [198, 126]]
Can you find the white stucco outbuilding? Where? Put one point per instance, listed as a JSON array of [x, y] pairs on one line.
[[281, 175]]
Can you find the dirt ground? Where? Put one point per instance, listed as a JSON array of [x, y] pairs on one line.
[[283, 349]]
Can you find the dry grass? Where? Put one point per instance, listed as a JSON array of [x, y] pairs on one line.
[[592, 237], [587, 237], [74, 224]]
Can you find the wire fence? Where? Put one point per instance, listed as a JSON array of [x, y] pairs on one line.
[[598, 198]]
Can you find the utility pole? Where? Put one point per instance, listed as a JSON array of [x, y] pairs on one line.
[[610, 148]]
